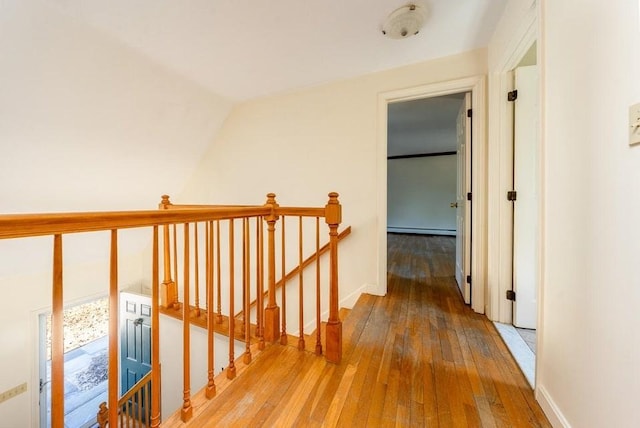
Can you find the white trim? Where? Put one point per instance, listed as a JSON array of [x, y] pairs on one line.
[[500, 175], [551, 410], [476, 85]]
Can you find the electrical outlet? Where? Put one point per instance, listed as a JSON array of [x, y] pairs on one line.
[[10, 393]]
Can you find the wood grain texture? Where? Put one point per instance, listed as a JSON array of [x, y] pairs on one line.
[[417, 357]]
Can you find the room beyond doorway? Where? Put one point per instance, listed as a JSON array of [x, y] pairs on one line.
[[476, 85], [429, 173]]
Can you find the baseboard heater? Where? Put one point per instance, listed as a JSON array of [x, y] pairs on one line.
[[421, 231]]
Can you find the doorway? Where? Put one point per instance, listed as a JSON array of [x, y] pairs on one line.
[[476, 87], [519, 329], [85, 362], [429, 173]]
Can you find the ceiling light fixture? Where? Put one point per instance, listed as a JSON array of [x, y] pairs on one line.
[[404, 22]]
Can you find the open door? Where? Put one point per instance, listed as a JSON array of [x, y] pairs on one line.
[[135, 344], [462, 205], [525, 208]]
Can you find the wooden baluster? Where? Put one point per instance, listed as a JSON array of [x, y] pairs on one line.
[[186, 411], [147, 388], [301, 343], [333, 218], [113, 331], [138, 418], [211, 385], [318, 321], [272, 312], [231, 370], [283, 289], [176, 303], [219, 318], [246, 261], [168, 294], [197, 269], [259, 284], [57, 338], [155, 336]]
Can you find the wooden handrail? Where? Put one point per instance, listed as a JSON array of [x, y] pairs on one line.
[[104, 411], [138, 385], [28, 225], [308, 261], [267, 317], [300, 211]]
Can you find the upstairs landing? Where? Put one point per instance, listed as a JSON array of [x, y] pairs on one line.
[[417, 357]]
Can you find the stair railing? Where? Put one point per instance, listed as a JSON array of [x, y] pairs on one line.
[[250, 259], [267, 320]]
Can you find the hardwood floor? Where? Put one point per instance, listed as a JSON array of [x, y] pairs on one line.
[[417, 357]]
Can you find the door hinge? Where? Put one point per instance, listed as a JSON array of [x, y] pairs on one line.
[[42, 385], [470, 113], [513, 95], [512, 195], [468, 279], [469, 196], [511, 295]]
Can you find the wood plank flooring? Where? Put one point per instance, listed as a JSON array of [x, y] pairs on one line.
[[417, 357]]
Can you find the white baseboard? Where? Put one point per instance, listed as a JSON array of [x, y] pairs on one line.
[[375, 289], [550, 408], [346, 302], [421, 231]]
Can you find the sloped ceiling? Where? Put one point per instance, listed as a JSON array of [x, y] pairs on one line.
[[246, 49]]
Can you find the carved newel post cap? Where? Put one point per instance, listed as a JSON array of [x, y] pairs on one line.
[[165, 201], [333, 210], [271, 201]]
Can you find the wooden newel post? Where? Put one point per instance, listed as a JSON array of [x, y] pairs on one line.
[[102, 418], [333, 218], [272, 311], [168, 291]]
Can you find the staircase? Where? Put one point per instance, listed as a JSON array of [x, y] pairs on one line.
[[213, 260], [278, 374]]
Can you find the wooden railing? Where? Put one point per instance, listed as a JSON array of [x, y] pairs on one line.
[[265, 327], [134, 407], [250, 259]]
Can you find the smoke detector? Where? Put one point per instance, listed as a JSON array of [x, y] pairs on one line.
[[404, 22]]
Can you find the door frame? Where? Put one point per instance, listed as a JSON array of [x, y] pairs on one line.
[[477, 86], [500, 173], [37, 340]]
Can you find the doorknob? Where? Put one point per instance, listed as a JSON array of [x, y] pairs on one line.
[[138, 322], [454, 205]]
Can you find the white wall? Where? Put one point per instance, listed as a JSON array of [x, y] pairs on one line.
[[420, 191], [589, 365], [85, 124], [303, 144], [171, 358]]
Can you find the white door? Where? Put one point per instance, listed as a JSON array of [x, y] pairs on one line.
[[525, 211], [463, 209]]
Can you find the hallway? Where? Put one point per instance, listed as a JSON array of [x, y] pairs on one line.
[[417, 357]]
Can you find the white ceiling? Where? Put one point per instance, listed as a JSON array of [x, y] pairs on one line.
[[422, 126], [246, 49]]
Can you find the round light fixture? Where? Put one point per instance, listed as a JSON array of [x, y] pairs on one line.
[[404, 22]]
